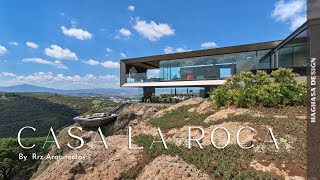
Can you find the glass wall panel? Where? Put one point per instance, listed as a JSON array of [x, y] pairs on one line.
[[206, 67], [294, 53], [186, 92], [299, 56], [264, 63], [285, 57], [209, 67], [245, 61], [153, 73]]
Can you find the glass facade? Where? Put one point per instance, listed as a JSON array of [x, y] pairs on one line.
[[172, 95], [210, 67], [200, 68], [181, 91], [291, 55], [294, 53], [217, 67]]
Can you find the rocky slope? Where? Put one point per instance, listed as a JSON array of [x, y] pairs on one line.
[[173, 167], [99, 162], [118, 162]]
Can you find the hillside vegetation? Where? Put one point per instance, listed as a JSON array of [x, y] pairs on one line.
[[261, 89], [10, 166], [42, 111], [263, 161], [259, 101]]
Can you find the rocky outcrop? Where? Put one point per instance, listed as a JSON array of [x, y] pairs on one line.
[[272, 168], [131, 116], [180, 136], [164, 167], [99, 162], [205, 107], [179, 105], [224, 113]]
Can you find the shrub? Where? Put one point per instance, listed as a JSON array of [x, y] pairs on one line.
[[261, 89]]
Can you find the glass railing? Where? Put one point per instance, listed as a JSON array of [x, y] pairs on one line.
[[143, 78], [140, 78]]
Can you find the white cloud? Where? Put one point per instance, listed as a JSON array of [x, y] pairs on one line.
[[292, 12], [89, 77], [36, 77], [3, 50], [297, 22], [170, 50], [13, 43], [125, 32], [45, 77], [8, 74], [106, 64], [57, 63], [32, 45], [74, 78], [62, 81], [76, 33], [110, 64], [131, 8], [182, 50], [154, 73], [152, 30], [109, 77], [109, 50], [123, 55], [92, 62], [56, 51], [209, 45]]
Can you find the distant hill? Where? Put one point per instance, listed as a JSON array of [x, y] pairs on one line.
[[76, 92], [41, 111], [29, 88]]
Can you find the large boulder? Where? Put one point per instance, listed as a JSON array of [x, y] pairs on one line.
[[131, 116]]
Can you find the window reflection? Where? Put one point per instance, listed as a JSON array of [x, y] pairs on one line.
[[294, 53], [210, 67]]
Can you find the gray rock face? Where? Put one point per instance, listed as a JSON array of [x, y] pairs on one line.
[[167, 167], [99, 162], [131, 116]]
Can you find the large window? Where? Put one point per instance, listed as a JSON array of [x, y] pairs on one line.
[[210, 67], [285, 57], [294, 53], [213, 67], [181, 91], [291, 55]]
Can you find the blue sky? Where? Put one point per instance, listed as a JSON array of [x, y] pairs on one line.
[[78, 44]]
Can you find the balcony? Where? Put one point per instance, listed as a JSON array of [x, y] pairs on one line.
[[142, 80]]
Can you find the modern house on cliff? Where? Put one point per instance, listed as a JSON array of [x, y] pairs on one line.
[[196, 73]]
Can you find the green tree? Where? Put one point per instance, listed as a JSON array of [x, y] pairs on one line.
[[10, 164]]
